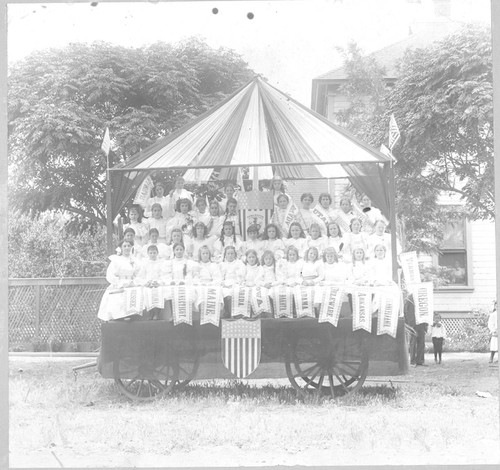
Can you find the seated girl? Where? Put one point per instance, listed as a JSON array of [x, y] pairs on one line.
[[201, 212], [177, 194], [279, 217], [197, 240], [315, 239], [372, 214], [356, 238], [272, 239], [163, 251], [312, 269], [231, 215], [183, 218], [269, 274], [335, 239], [381, 237], [136, 223], [129, 236], [323, 213], [380, 267], [359, 272], [231, 270], [176, 236], [253, 241], [158, 222], [293, 267], [214, 224], [252, 270], [296, 238], [180, 269], [227, 238], [305, 214], [335, 273], [121, 273], [158, 198]]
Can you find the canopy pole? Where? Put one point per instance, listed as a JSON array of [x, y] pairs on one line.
[[109, 216], [392, 206]]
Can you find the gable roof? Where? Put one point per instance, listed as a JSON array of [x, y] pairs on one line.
[[423, 34]]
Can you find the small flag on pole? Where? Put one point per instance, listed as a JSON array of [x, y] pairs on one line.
[[106, 145], [393, 132]]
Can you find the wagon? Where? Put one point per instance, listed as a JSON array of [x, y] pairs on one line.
[[267, 132]]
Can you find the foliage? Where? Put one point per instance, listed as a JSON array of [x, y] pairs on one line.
[[442, 102], [439, 275], [61, 100], [42, 247], [475, 336]]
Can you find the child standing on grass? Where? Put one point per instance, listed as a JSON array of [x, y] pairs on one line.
[[438, 335], [493, 327]]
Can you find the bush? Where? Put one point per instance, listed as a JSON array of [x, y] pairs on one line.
[[475, 336]]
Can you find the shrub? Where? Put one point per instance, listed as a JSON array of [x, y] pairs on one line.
[[475, 336]]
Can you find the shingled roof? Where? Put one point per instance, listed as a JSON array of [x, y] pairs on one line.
[[422, 34]]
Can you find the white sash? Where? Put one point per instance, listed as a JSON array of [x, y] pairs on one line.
[[343, 221], [424, 301], [320, 213], [144, 192], [240, 301], [304, 301], [182, 305], [211, 303], [362, 309], [331, 305], [388, 313], [282, 296], [154, 297], [260, 300], [411, 270], [290, 215]]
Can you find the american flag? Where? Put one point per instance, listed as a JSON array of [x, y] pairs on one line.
[[241, 346], [393, 132]]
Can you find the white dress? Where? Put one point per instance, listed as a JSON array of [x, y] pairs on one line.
[[232, 273], [338, 243], [293, 272], [257, 245], [335, 274], [221, 244], [152, 270], [172, 201], [214, 224], [164, 203], [359, 273], [299, 243], [141, 232], [163, 251], [193, 246], [251, 274], [312, 271], [160, 225], [121, 272], [380, 271], [319, 243], [305, 219], [493, 327], [273, 245]]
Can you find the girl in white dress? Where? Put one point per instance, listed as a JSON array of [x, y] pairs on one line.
[[372, 214], [293, 267], [231, 215], [227, 238], [360, 272], [328, 214], [158, 222], [272, 238], [136, 223], [335, 274], [163, 251], [253, 241], [381, 237], [380, 267], [251, 272], [201, 212], [232, 271], [176, 236], [356, 238], [121, 272], [335, 239], [197, 240], [183, 218], [206, 272], [296, 238], [175, 195], [280, 213], [158, 198], [312, 270], [214, 224], [306, 216], [180, 269], [315, 239], [278, 188]]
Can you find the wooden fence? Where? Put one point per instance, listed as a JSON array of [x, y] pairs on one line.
[[40, 309]]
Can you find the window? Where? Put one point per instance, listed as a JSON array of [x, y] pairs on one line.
[[454, 254]]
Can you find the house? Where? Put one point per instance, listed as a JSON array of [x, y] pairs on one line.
[[468, 247]]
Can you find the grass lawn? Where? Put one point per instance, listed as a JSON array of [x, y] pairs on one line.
[[431, 415]]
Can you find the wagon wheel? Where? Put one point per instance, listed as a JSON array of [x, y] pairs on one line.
[[333, 367], [141, 389], [187, 372]]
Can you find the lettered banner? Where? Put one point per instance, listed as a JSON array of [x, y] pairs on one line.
[[283, 301], [331, 305], [182, 305], [362, 309], [411, 271], [390, 302], [423, 297], [211, 304], [304, 301], [240, 301], [144, 192]]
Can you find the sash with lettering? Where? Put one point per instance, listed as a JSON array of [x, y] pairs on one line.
[[259, 299], [358, 212], [304, 301], [424, 301], [211, 304], [331, 304], [411, 270], [320, 214], [241, 346], [144, 192], [240, 301], [343, 221], [154, 297], [182, 304], [291, 213], [362, 309], [388, 313], [282, 297], [134, 301]]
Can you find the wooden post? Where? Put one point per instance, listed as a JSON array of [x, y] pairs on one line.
[[109, 216], [392, 206]]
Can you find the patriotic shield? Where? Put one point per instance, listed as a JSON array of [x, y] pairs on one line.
[[241, 346]]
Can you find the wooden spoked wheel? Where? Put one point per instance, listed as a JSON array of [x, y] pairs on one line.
[[329, 366], [143, 389], [187, 372]]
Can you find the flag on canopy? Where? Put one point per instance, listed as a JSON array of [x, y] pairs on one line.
[[393, 132], [106, 142]]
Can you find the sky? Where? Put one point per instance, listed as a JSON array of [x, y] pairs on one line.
[[289, 42]]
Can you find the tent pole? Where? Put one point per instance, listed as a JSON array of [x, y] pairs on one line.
[[392, 205], [109, 216]]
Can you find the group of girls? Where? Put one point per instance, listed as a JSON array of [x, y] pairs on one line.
[[314, 251]]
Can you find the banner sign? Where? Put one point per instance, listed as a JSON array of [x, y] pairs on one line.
[[304, 301], [134, 301], [154, 297], [211, 305], [388, 313], [331, 304], [182, 305], [241, 346], [362, 309], [144, 192], [259, 299], [423, 297], [282, 297], [240, 301], [411, 270]]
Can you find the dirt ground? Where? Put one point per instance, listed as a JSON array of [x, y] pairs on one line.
[[456, 401]]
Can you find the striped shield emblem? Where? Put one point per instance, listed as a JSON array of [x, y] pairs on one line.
[[241, 346]]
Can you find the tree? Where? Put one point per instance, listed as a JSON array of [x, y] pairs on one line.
[[61, 100], [442, 101]]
